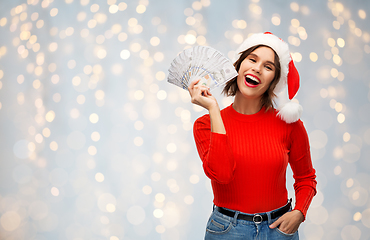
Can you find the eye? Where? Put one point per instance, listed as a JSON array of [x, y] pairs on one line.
[[252, 60], [269, 67]]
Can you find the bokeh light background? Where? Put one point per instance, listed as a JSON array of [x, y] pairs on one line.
[[95, 144]]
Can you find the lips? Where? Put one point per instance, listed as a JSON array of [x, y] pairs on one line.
[[252, 80]]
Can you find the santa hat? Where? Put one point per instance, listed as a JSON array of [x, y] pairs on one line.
[[289, 112]]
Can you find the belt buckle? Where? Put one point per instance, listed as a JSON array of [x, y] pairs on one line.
[[257, 218]]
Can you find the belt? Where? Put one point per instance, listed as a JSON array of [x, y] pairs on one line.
[[257, 218]]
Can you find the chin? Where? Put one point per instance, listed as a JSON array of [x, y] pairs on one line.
[[247, 94]]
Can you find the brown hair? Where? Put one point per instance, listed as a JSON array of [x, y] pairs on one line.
[[231, 86]]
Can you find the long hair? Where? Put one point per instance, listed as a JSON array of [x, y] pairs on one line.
[[267, 100]]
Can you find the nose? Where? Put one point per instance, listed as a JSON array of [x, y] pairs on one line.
[[257, 68]]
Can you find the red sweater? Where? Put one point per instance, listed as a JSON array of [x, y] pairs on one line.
[[247, 165]]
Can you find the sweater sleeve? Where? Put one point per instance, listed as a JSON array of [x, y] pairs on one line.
[[301, 164], [214, 150]]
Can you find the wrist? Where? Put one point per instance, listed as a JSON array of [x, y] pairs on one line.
[[217, 125], [299, 213], [214, 108]]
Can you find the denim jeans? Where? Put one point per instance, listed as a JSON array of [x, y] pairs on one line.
[[220, 226]]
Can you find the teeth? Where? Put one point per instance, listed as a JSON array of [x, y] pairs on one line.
[[253, 78]]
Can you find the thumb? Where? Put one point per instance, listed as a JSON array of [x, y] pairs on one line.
[[275, 224], [196, 81], [192, 83]]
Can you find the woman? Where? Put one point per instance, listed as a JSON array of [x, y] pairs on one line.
[[246, 147]]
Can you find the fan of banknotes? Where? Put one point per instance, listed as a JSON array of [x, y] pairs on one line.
[[201, 62]]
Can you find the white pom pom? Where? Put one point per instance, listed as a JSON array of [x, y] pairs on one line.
[[290, 112]]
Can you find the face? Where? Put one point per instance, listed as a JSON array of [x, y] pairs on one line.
[[256, 72]]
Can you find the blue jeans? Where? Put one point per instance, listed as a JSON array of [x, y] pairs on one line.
[[220, 226]]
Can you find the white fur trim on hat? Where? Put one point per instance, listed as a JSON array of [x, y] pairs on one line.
[[290, 112]]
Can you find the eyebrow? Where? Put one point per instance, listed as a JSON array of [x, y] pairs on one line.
[[254, 55]]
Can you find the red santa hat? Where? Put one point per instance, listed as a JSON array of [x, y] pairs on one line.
[[289, 112]]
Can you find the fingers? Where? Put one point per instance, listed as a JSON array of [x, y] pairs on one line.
[[288, 229], [288, 223], [198, 90], [191, 85], [285, 227], [194, 83], [201, 95], [276, 223]]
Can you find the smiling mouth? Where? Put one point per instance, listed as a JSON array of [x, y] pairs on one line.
[[251, 80]]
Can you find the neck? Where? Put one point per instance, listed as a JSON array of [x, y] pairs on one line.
[[246, 105]]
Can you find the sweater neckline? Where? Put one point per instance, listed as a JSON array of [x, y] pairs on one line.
[[245, 117]]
